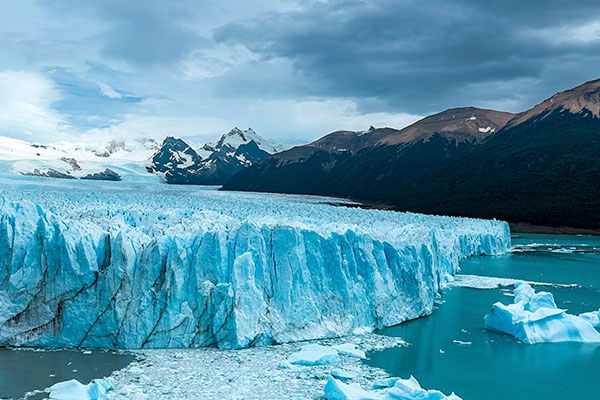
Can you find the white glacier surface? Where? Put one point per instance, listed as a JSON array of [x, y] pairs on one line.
[[535, 318], [96, 264]]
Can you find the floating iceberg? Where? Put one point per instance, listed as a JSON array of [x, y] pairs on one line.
[[315, 354], [344, 374], [350, 350], [338, 390], [399, 389], [535, 318], [73, 390], [593, 317], [154, 267], [409, 389]]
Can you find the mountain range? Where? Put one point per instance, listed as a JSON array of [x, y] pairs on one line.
[[175, 160], [541, 166], [213, 163]]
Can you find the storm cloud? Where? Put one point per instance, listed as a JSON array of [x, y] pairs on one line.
[[425, 56], [292, 70]]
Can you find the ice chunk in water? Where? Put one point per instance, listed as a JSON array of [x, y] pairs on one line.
[[534, 318], [338, 390], [315, 354], [74, 390], [350, 350]]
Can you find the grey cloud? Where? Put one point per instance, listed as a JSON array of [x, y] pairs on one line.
[[420, 56]]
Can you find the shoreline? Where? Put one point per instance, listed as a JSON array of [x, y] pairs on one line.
[[524, 227], [515, 227]]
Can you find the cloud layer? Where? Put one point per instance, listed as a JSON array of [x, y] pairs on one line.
[[291, 70]]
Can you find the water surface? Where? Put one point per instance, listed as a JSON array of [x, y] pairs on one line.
[[451, 351], [27, 370]]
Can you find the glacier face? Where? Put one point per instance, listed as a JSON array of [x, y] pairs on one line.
[[149, 266]]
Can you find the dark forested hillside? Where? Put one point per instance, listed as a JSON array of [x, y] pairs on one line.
[[541, 166]]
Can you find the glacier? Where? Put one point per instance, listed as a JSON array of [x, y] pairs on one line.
[[535, 318], [105, 265]]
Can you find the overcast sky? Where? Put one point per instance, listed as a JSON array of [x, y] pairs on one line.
[[291, 70]]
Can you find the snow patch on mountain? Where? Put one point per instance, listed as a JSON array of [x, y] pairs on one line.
[[213, 163], [237, 137], [75, 160]]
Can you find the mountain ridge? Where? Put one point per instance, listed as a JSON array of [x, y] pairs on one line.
[[539, 166]]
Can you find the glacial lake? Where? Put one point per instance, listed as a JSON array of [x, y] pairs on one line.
[[451, 351], [26, 370]]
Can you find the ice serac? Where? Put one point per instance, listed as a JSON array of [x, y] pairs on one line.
[[180, 269], [535, 318]]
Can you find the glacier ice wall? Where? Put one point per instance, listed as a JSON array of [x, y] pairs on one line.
[[150, 267]]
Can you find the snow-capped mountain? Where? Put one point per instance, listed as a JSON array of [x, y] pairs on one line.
[[70, 160], [236, 137], [213, 163], [174, 159]]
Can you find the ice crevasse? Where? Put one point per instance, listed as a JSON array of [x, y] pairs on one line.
[[123, 270]]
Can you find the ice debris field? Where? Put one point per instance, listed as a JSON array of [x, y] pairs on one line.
[[148, 266], [289, 371], [535, 318]]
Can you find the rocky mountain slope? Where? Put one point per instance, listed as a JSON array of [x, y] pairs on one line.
[[367, 164], [212, 164], [174, 159], [540, 166]]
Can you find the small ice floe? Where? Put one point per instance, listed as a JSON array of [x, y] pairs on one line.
[[535, 318], [344, 374], [462, 343], [135, 370], [284, 365], [391, 389], [74, 390], [350, 350], [315, 354], [86, 352], [338, 390], [383, 383], [409, 389], [491, 282], [562, 250]]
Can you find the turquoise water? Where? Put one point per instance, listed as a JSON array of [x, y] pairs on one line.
[[489, 365]]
